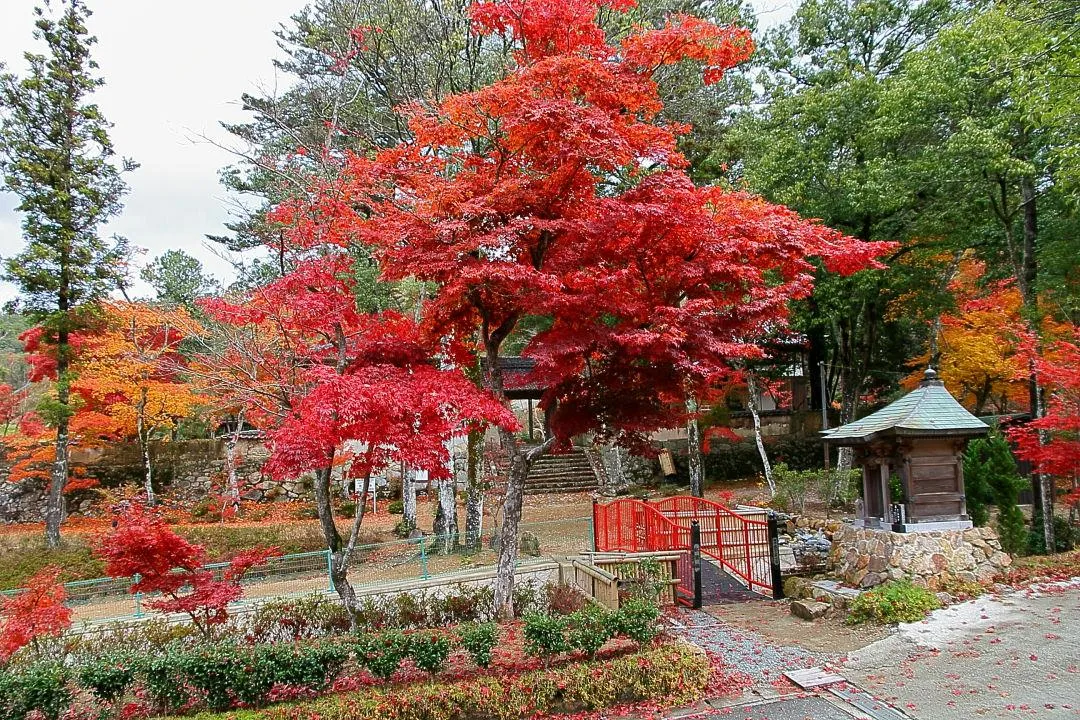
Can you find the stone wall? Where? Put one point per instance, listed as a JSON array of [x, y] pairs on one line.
[[865, 558], [185, 471]]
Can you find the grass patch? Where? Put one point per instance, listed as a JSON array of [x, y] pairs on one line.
[[894, 602], [24, 554]]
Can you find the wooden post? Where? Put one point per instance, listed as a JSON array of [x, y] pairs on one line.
[[774, 558], [695, 561]]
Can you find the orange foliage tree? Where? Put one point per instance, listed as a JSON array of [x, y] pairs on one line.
[[979, 346], [131, 378]]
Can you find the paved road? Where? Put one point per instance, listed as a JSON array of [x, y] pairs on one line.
[[993, 657]]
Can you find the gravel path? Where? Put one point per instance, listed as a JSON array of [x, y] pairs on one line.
[[742, 650]]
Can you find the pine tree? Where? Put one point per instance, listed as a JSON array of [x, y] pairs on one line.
[[56, 156], [990, 475]]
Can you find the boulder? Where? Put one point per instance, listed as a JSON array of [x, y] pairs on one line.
[[809, 609]]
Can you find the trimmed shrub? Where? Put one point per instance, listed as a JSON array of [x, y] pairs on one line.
[[671, 675], [41, 687], [545, 635], [636, 619], [479, 640], [382, 654], [108, 677], [395, 507], [893, 602], [429, 650], [591, 627]]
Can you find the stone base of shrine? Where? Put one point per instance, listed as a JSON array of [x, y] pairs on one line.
[[865, 557]]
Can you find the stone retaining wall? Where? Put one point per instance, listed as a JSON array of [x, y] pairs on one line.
[[865, 558]]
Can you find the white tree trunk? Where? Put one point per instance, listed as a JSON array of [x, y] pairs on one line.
[[446, 525], [752, 403]]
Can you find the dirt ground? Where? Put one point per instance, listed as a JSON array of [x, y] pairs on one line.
[[774, 621]]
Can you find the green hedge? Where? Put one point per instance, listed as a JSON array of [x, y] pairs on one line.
[[673, 674], [727, 460]]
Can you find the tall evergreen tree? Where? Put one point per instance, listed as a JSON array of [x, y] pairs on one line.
[[56, 156]]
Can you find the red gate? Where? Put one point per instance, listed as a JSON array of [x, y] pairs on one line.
[[740, 543]]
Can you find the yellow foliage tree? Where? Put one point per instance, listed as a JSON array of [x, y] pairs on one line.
[[131, 378]]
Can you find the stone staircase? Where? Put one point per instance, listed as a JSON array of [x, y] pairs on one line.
[[566, 473]]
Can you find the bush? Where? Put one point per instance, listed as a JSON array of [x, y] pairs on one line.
[[312, 666], [636, 619], [395, 507], [382, 654], [42, 687], [1066, 537], [792, 487], [305, 618], [429, 650], [227, 673], [591, 627], [545, 635], [163, 678], [108, 677], [479, 640], [838, 489], [409, 610], [893, 602], [563, 598], [671, 675]]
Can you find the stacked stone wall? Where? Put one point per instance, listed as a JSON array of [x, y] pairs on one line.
[[864, 558]]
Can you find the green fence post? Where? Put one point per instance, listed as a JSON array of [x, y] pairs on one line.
[[330, 569], [138, 596], [423, 560]]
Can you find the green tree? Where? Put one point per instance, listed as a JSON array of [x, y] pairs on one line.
[[178, 279], [56, 156], [990, 476], [809, 143], [980, 131]]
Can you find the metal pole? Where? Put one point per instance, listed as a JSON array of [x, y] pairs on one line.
[[330, 569], [595, 510], [774, 558], [423, 560], [138, 596], [824, 414], [695, 561]]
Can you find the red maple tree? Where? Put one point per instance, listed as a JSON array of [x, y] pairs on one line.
[[38, 611], [1051, 443], [558, 192], [336, 388], [142, 546]]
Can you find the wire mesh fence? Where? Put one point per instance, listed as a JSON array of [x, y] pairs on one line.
[[431, 556]]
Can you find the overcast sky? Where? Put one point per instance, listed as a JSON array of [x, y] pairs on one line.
[[173, 71]]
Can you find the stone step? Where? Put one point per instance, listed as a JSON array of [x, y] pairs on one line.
[[563, 474]]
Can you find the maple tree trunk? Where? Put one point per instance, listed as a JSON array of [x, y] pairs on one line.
[[474, 494], [408, 498], [339, 568], [695, 461], [232, 479], [508, 535]]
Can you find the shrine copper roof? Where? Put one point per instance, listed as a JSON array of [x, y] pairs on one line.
[[928, 411]]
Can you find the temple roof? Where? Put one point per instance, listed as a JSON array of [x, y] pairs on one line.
[[928, 411]]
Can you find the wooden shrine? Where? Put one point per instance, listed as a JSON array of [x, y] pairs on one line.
[[919, 439]]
